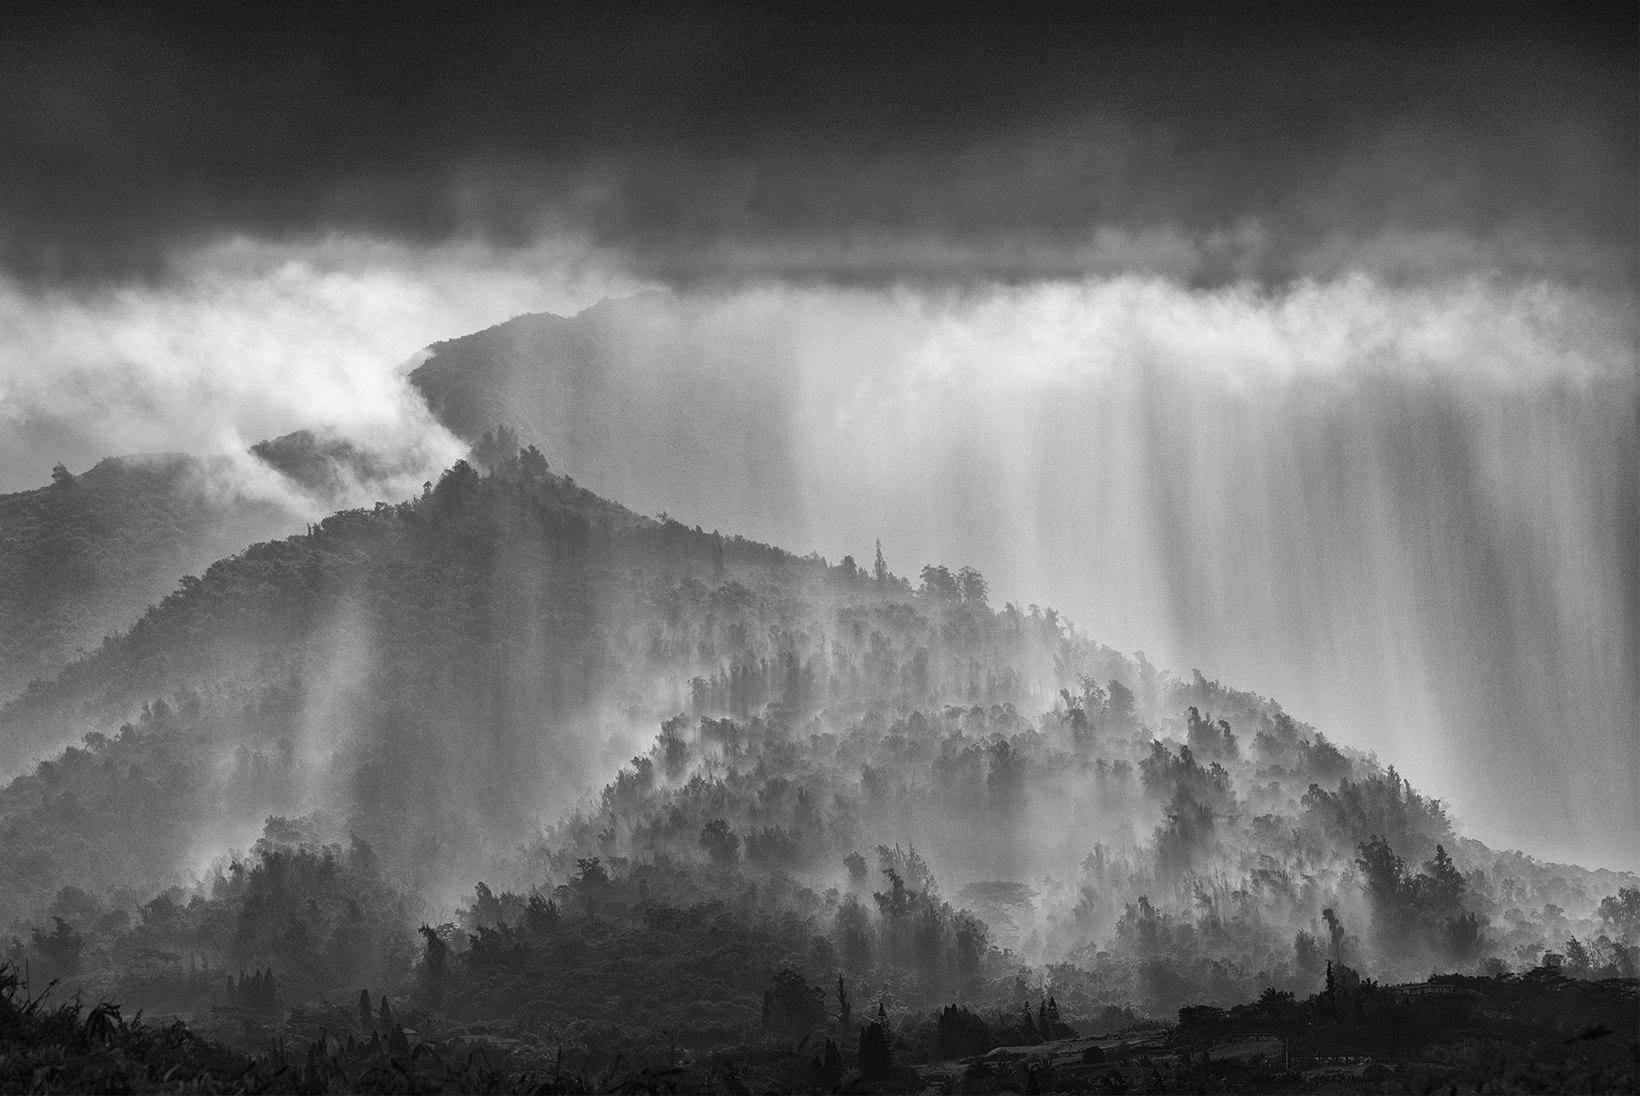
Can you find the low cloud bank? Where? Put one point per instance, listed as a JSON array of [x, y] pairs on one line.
[[250, 342]]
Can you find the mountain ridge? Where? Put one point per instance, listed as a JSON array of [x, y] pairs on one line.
[[415, 749], [301, 604], [86, 555]]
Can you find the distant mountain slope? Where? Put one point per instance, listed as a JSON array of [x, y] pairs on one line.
[[261, 600], [534, 372], [83, 558], [643, 397]]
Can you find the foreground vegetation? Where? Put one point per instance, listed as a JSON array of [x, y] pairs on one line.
[[1539, 1032]]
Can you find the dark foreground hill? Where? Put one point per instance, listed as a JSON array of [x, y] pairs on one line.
[[510, 770]]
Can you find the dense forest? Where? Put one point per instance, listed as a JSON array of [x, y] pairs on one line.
[[84, 557], [506, 786]]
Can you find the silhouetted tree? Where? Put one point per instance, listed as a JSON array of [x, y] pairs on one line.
[[831, 1070], [939, 583], [1442, 886], [1622, 912], [959, 1033], [1384, 875], [532, 463], [1027, 1024], [1335, 934], [541, 915], [973, 587], [875, 1059], [1056, 1026], [1307, 959], [790, 1005], [1120, 704], [433, 965], [60, 948]]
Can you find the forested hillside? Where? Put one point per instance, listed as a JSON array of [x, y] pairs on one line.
[[510, 762], [83, 558]]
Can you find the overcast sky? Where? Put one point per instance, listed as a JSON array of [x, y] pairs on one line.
[[820, 142]]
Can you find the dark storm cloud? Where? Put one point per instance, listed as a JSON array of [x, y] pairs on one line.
[[823, 142]]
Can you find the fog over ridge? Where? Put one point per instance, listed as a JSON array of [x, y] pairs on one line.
[[1404, 508], [1395, 509], [248, 342]]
